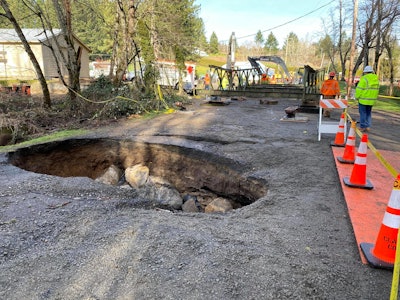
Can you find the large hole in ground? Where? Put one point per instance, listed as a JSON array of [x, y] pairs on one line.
[[204, 181]]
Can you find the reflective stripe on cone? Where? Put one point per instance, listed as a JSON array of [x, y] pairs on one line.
[[383, 253]]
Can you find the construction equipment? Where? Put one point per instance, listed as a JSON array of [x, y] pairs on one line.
[[230, 60], [275, 59]]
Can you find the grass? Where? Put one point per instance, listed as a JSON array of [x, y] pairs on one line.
[[383, 104], [389, 105], [60, 135], [204, 63], [65, 134]]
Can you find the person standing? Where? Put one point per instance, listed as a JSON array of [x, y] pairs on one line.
[[207, 82], [367, 92], [330, 90]]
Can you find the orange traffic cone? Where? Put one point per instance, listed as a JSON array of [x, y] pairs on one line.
[[349, 150], [339, 138], [383, 254], [358, 176]]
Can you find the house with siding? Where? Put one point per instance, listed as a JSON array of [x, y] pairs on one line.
[[15, 62]]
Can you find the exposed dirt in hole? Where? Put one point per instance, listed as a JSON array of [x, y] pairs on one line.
[[70, 238], [189, 170]]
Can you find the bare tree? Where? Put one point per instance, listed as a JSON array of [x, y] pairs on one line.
[[375, 27], [9, 15], [350, 78], [125, 48], [72, 59], [66, 53], [336, 44], [344, 43], [389, 44]]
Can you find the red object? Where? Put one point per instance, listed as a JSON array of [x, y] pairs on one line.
[[358, 176], [190, 69], [349, 150], [383, 254], [339, 138]]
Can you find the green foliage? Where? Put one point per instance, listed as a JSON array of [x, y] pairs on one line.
[[259, 39], [105, 101], [291, 40], [96, 30], [271, 44], [203, 64], [326, 45], [213, 43], [150, 77], [384, 90], [100, 88], [390, 105], [56, 136]]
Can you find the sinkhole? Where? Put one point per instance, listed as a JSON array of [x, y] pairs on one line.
[[197, 176]]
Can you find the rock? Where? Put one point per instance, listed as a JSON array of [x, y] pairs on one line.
[[160, 195], [219, 205], [137, 175], [190, 206], [159, 181], [111, 176]]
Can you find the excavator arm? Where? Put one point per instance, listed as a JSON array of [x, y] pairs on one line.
[[275, 59]]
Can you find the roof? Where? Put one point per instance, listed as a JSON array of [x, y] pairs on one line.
[[32, 35]]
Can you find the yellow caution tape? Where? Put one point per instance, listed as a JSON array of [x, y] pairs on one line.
[[378, 155], [389, 97]]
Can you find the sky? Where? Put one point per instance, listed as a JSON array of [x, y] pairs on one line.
[[247, 17]]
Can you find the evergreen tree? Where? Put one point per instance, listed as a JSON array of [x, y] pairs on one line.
[[271, 44], [259, 39], [213, 43]]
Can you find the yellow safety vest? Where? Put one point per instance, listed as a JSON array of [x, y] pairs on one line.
[[367, 90]]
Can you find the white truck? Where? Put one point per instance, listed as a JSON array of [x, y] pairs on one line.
[[169, 75]]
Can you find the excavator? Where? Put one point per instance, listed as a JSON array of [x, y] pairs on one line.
[[234, 76], [274, 59]]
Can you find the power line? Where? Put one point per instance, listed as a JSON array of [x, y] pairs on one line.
[[291, 21]]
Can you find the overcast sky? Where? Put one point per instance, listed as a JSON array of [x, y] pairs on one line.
[[246, 17]]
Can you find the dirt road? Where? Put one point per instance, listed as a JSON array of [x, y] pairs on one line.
[[69, 238]]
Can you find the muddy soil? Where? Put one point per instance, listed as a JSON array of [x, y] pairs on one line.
[[70, 238]]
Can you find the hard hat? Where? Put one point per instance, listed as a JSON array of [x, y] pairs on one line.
[[332, 74], [368, 69]]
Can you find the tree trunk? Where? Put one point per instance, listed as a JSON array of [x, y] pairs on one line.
[[378, 52], [72, 61], [115, 48], [391, 66]]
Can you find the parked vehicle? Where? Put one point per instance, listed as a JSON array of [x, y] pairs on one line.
[[169, 76]]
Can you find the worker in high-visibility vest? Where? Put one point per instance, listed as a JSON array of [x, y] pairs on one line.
[[330, 90], [367, 92], [207, 82], [264, 78]]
